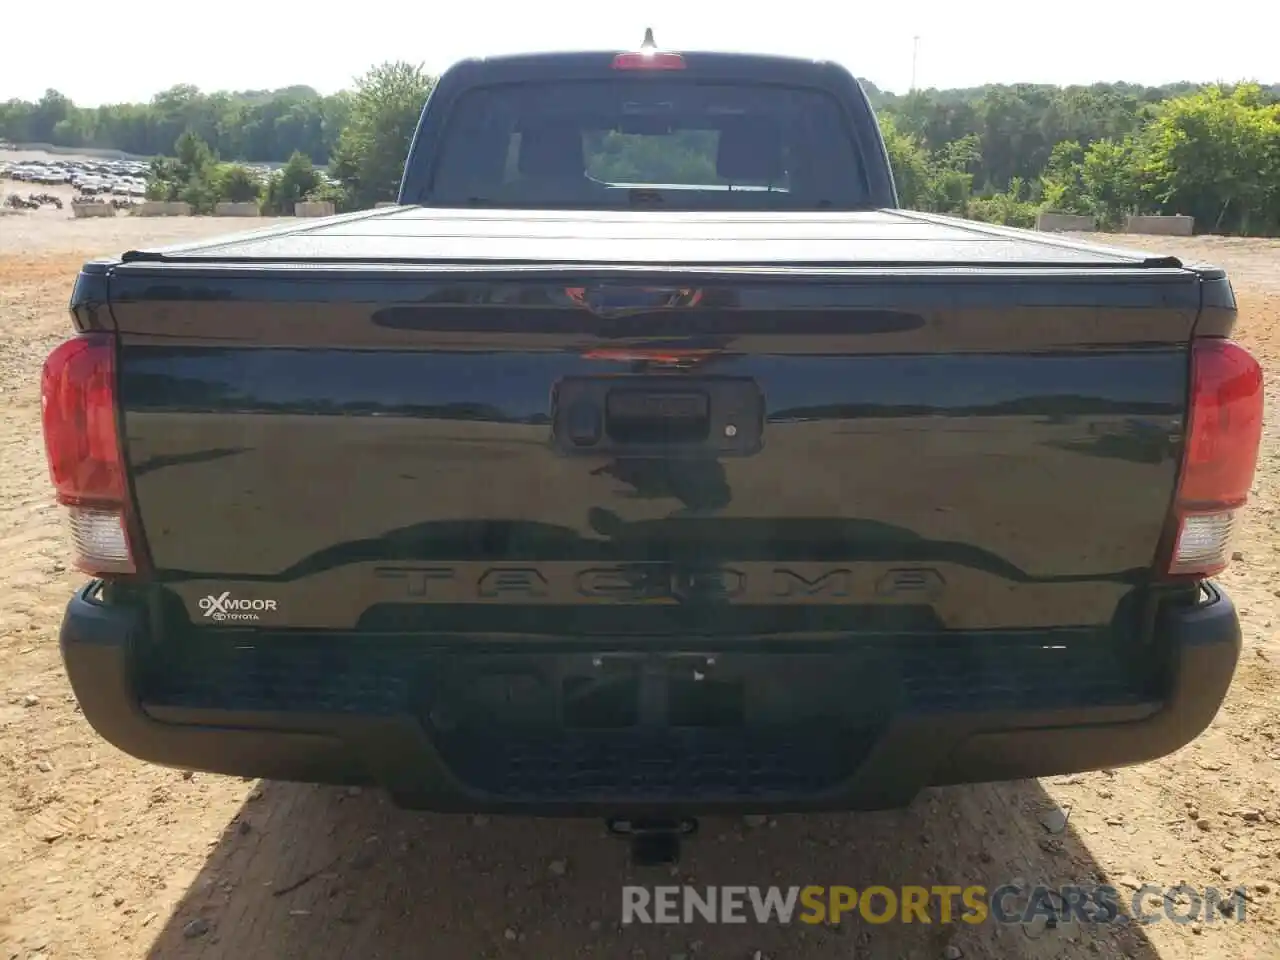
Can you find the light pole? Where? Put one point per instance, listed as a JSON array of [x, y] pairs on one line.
[[915, 57]]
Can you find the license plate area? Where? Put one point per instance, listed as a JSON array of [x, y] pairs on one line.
[[657, 416], [669, 690]]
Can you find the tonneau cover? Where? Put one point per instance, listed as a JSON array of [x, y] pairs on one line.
[[882, 237]]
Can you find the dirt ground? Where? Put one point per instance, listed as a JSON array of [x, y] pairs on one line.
[[103, 857]]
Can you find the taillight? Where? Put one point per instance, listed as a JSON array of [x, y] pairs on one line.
[[1224, 430], [82, 443]]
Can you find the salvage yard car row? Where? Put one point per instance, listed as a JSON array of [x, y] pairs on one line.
[[116, 177]]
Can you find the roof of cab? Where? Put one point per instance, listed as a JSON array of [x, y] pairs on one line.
[[567, 65]]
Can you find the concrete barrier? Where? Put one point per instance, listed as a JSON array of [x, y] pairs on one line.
[[229, 209], [1162, 226], [1065, 222], [385, 203], [162, 208], [314, 208], [82, 210]]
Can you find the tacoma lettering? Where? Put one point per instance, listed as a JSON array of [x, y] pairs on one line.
[[836, 583], [518, 581], [647, 581]]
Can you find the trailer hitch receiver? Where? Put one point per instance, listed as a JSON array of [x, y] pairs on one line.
[[654, 842]]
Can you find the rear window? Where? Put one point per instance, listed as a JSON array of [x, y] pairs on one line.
[[625, 143]]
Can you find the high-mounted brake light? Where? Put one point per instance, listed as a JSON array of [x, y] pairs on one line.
[[1224, 431], [630, 355], [82, 443], [648, 61], [648, 57]]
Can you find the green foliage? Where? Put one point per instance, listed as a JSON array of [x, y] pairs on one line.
[[1009, 207], [335, 193], [200, 193], [259, 126], [237, 183], [163, 180], [195, 159], [189, 176], [686, 156], [1112, 174], [1106, 151], [1215, 155], [1018, 126], [196, 177], [937, 182], [368, 160], [911, 163], [1062, 184], [292, 183]]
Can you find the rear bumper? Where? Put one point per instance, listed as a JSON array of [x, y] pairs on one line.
[[921, 741]]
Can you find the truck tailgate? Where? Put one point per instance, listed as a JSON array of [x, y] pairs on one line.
[[351, 446]]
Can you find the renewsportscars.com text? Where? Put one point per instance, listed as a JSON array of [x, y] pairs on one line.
[[942, 904]]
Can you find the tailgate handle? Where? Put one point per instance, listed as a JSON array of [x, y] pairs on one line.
[[657, 416]]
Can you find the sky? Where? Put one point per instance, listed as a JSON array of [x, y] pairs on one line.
[[136, 51]]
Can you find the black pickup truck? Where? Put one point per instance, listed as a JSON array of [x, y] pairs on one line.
[[646, 460]]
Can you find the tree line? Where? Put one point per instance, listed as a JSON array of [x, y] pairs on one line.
[[999, 152], [1003, 153], [365, 152]]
